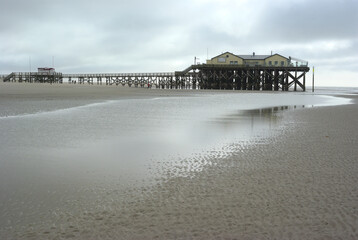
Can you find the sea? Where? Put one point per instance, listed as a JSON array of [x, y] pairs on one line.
[[59, 157]]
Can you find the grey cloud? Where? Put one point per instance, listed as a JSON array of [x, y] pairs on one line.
[[159, 35], [309, 20]]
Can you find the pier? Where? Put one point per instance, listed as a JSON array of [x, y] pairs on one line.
[[225, 71], [203, 76], [236, 77]]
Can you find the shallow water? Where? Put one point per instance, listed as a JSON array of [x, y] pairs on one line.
[[71, 158]]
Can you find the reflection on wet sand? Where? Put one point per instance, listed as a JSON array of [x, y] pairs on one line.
[[253, 120]]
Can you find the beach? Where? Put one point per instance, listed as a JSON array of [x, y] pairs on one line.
[[298, 182], [301, 185]]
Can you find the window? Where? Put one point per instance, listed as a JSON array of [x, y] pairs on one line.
[[276, 63], [270, 63], [282, 63], [221, 59], [233, 62]]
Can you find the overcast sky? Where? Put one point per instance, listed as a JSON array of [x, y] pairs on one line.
[[164, 35]]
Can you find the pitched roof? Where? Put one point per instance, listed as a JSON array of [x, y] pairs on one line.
[[225, 53], [278, 55], [250, 57]]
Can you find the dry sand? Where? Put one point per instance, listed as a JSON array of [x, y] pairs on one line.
[[81, 91], [41, 91], [301, 184], [38, 97], [32, 95]]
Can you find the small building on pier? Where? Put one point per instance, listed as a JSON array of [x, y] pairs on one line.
[[228, 58], [46, 70]]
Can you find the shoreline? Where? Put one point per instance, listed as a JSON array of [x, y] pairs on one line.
[[32, 95]]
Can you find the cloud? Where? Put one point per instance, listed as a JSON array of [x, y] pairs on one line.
[[304, 21], [159, 35]]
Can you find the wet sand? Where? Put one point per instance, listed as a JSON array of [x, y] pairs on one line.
[[301, 184]]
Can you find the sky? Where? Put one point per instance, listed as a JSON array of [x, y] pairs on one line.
[[88, 36]]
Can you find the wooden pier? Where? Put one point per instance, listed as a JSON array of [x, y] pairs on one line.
[[199, 76], [239, 77]]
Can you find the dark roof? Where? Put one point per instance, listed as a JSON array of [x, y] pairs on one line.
[[258, 57], [254, 57]]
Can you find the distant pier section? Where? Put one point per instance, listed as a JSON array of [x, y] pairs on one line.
[[225, 71]]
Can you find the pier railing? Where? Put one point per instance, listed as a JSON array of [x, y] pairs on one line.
[[95, 75]]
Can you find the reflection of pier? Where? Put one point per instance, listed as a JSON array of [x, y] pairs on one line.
[[201, 76], [254, 119], [268, 112]]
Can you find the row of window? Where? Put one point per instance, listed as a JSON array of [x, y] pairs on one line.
[[223, 60], [270, 63], [276, 63]]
